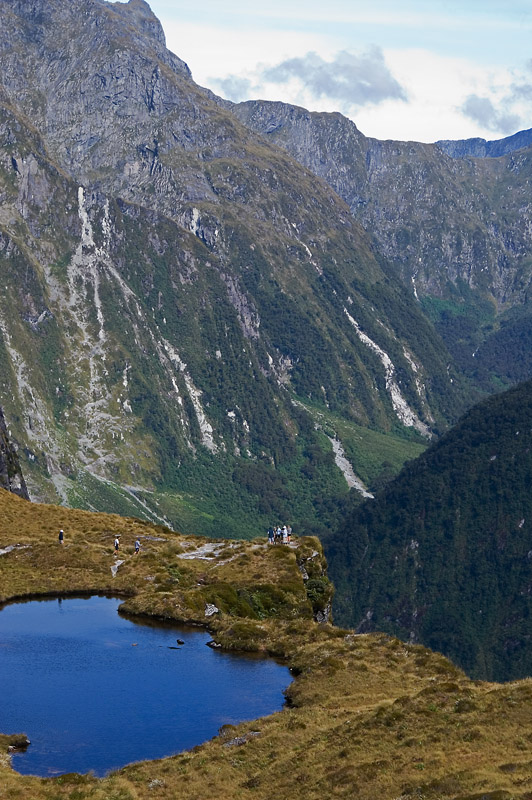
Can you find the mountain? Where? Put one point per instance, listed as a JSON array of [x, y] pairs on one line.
[[480, 148], [366, 715], [455, 229], [186, 308], [11, 477], [443, 554]]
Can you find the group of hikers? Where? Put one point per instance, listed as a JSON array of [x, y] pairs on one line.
[[279, 534], [117, 544], [276, 535]]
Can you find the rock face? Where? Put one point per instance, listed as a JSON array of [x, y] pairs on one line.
[[480, 148], [11, 477], [456, 227], [174, 282], [432, 215]]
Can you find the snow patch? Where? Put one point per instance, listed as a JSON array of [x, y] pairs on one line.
[[420, 387], [312, 259], [195, 222], [124, 375], [414, 276]]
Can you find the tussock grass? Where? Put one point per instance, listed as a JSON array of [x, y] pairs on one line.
[[367, 716]]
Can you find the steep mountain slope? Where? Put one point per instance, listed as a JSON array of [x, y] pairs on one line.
[[456, 229], [443, 554], [177, 289]]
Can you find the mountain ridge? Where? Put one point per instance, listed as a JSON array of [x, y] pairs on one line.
[[482, 148], [454, 229]]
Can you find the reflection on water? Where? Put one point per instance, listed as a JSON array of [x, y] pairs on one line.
[[94, 691]]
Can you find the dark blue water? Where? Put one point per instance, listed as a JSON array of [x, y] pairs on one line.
[[95, 691]]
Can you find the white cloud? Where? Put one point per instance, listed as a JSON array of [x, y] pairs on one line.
[[438, 92], [411, 93], [358, 79], [482, 111]]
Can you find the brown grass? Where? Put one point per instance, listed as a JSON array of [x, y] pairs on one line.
[[369, 717]]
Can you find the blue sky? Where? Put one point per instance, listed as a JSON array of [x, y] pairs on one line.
[[412, 70]]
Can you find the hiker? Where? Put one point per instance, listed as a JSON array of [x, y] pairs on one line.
[[285, 534], [271, 535], [137, 546], [61, 536], [289, 531], [117, 544], [278, 534]]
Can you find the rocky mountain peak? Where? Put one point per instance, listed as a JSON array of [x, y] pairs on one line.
[[139, 13]]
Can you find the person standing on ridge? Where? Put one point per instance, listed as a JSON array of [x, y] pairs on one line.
[[117, 544], [61, 536]]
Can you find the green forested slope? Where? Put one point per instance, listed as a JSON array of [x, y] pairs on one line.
[[453, 228], [176, 290], [443, 555]]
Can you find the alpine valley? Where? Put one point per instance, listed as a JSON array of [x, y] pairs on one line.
[[189, 317], [218, 316]]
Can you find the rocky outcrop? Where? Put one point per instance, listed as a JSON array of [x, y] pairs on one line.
[[11, 477]]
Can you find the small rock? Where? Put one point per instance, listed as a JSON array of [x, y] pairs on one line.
[[114, 568], [211, 609], [239, 740]]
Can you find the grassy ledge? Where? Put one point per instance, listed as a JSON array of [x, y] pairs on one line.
[[367, 716]]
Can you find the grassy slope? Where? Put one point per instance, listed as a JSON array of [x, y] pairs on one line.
[[371, 453], [368, 716]]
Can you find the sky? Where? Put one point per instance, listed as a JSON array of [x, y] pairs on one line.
[[417, 70]]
